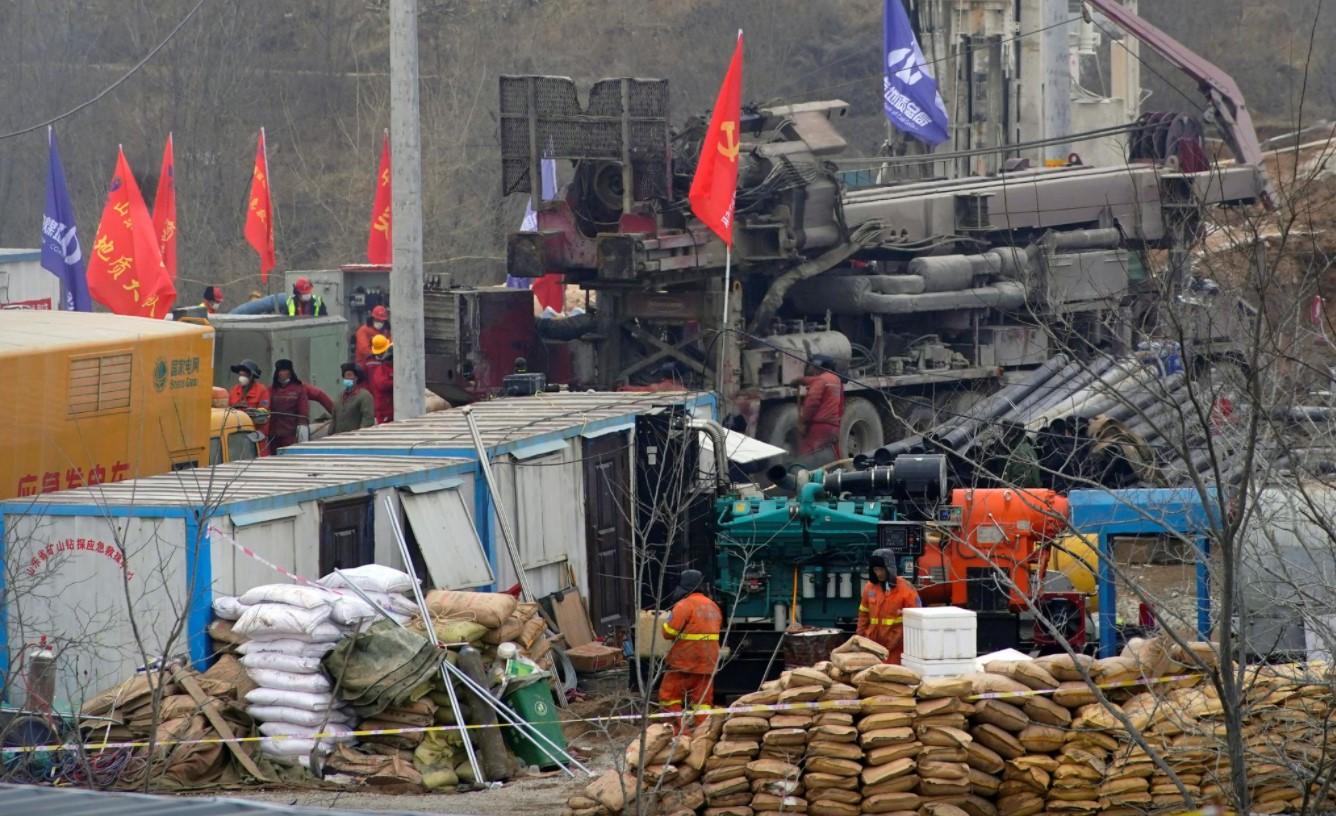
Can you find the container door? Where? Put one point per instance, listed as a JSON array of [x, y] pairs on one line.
[[607, 532], [346, 536], [447, 538]]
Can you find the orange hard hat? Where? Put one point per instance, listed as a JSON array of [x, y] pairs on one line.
[[380, 344], [303, 286]]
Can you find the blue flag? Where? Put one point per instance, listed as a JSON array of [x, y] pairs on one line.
[[61, 254], [911, 99]]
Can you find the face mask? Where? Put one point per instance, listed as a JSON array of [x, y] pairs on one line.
[[243, 379], [347, 383], [284, 380], [377, 325]]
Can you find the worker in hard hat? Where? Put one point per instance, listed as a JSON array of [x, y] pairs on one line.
[[304, 302], [252, 396], [377, 323], [693, 626], [380, 377], [881, 607], [820, 413], [213, 299]]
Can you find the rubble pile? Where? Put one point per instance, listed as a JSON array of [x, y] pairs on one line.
[[324, 661], [168, 709], [1021, 738]]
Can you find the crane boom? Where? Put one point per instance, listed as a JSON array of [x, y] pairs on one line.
[[1231, 111]]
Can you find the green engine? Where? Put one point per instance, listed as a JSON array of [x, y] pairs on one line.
[[812, 549]]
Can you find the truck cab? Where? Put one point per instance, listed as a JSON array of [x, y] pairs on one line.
[[232, 436]]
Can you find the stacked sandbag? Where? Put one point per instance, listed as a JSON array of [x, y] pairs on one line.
[[288, 630], [389, 588], [127, 713], [941, 724], [670, 771], [888, 711], [485, 620]]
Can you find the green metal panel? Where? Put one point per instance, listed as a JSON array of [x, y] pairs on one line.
[[317, 346]]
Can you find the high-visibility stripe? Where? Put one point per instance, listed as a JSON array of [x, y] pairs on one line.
[[690, 636], [678, 701], [670, 631], [885, 621], [862, 608]]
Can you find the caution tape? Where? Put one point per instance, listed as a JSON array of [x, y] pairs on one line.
[[280, 569], [760, 708]]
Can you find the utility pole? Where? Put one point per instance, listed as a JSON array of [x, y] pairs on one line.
[[410, 377]]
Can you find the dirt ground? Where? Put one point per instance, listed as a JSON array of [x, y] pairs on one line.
[[593, 743]]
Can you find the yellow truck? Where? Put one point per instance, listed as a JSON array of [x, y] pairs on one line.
[[92, 398]]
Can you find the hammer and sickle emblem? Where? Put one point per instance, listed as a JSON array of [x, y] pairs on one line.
[[728, 146]]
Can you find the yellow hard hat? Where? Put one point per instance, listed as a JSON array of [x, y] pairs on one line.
[[380, 344]]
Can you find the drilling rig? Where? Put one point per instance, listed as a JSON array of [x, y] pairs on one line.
[[924, 292]]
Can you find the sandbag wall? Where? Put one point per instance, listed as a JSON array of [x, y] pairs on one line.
[[853, 736]]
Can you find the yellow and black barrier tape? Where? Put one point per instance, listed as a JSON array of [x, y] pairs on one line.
[[770, 708]]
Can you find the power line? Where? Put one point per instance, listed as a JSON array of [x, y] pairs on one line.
[[1087, 135], [113, 86]]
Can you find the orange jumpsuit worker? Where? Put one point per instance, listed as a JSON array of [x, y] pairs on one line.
[[821, 411], [252, 396], [378, 323], [694, 628], [881, 608]]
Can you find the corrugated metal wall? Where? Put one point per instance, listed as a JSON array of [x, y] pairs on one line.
[[88, 583]]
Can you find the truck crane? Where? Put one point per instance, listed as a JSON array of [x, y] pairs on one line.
[[923, 292]]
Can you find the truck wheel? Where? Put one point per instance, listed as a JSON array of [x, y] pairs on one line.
[[860, 428], [779, 426]]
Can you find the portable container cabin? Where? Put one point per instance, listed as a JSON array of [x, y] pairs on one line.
[[564, 467], [122, 574]]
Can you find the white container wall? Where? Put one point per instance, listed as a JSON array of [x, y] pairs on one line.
[[122, 575], [542, 492], [109, 595]]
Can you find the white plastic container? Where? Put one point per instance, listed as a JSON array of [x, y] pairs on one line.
[[938, 668], [941, 633]]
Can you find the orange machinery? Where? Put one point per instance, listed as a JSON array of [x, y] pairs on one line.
[[985, 532]]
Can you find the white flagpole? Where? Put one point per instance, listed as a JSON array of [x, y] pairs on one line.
[[723, 323]]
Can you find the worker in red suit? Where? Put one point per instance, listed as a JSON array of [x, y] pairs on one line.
[[378, 323], [881, 608], [252, 396], [319, 397], [289, 408], [693, 626], [820, 414], [380, 377]]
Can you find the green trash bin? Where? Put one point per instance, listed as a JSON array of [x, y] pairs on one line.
[[531, 699]]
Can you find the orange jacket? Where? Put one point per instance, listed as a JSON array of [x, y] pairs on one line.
[[824, 402], [256, 398], [880, 614], [694, 627], [820, 414], [362, 341]]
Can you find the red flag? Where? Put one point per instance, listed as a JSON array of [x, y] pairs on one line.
[[550, 291], [379, 245], [716, 179], [260, 212], [125, 272], [164, 210]]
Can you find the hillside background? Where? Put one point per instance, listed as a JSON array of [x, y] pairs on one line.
[[315, 74]]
